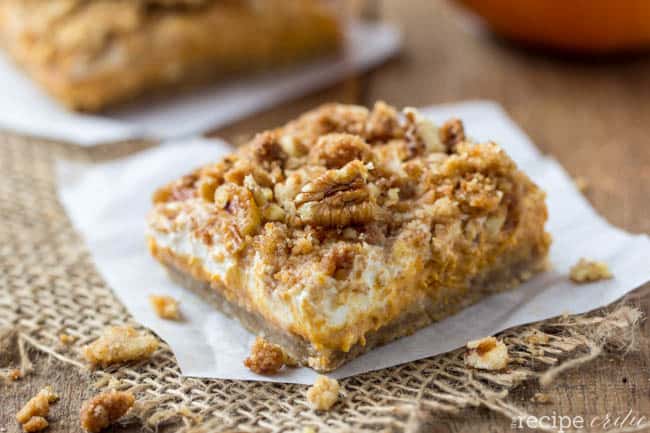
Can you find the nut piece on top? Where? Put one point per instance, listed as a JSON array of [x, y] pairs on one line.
[[587, 271], [120, 344], [104, 409], [487, 354]]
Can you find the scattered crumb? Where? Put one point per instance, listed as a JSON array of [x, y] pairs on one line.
[[14, 374], [265, 357], [586, 271], [487, 354], [104, 409], [120, 344], [324, 393], [537, 337], [165, 307], [309, 430], [66, 339], [581, 183], [542, 398], [35, 423], [39, 405]]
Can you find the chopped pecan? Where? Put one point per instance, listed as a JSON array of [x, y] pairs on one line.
[[338, 198], [383, 123], [451, 133], [336, 150], [239, 202], [267, 149], [422, 133]]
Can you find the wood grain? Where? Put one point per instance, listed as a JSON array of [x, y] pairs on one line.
[[592, 115]]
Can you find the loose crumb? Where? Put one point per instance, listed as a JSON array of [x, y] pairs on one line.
[[537, 337], [66, 339], [324, 393], [487, 354], [586, 271], [120, 344], [542, 398], [14, 374], [265, 357], [581, 183], [309, 430], [165, 307], [35, 423], [104, 409], [39, 405]]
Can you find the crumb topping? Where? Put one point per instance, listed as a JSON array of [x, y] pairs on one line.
[[487, 354], [331, 209], [587, 271], [323, 393], [266, 358], [104, 409], [165, 307], [120, 344], [37, 407]]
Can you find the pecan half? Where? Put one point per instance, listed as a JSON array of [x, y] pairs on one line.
[[338, 198]]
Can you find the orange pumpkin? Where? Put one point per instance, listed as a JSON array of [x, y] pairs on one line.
[[591, 26]]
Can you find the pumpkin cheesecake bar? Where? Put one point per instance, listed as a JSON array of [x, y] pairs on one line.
[[90, 54], [348, 228]]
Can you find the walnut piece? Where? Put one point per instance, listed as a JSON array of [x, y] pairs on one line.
[[323, 393], [39, 405], [120, 344], [487, 354], [104, 409], [338, 198], [165, 307], [587, 271], [35, 423], [265, 357]]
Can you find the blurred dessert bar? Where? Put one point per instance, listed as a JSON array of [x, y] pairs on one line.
[[90, 54]]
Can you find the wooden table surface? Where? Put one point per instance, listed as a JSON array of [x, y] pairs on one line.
[[593, 116]]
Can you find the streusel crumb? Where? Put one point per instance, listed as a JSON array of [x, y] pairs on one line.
[[14, 374], [35, 423], [120, 344], [537, 337], [587, 271], [324, 393], [487, 354], [37, 406], [104, 409], [165, 307], [542, 398], [66, 339], [265, 357]]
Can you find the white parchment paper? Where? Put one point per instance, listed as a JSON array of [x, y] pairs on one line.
[[25, 108], [108, 203]]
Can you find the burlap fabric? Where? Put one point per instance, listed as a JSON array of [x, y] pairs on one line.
[[48, 286]]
